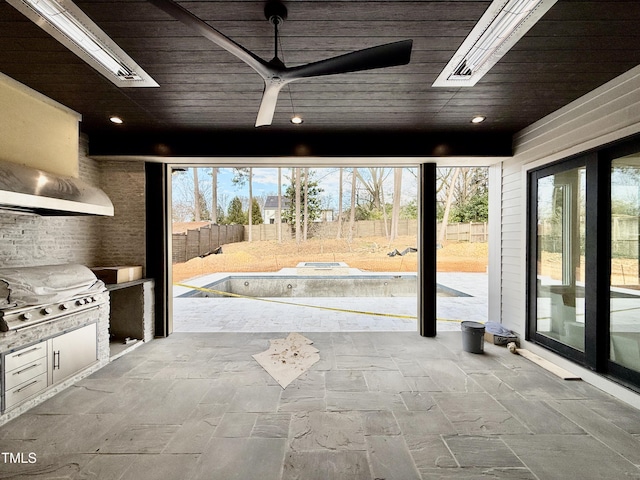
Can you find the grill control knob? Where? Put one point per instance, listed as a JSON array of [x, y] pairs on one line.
[[25, 316], [79, 302], [86, 300], [47, 311], [64, 306]]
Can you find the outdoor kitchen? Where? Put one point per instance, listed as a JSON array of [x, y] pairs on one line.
[[58, 321], [63, 214], [55, 328]]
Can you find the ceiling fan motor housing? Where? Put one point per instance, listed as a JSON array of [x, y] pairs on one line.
[[275, 12]]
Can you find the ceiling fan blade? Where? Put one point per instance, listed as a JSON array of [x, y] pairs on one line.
[[269, 101], [207, 31], [388, 55]]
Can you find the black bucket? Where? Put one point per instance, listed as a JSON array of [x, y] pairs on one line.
[[472, 337]]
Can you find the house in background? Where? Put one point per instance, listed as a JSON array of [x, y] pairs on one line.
[[270, 210]]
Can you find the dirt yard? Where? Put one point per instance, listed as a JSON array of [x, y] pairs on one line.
[[368, 254]]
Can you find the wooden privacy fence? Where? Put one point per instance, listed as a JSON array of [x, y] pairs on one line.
[[267, 231], [204, 240], [363, 228], [366, 228], [473, 232]]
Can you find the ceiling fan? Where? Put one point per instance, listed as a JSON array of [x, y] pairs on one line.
[[274, 73]]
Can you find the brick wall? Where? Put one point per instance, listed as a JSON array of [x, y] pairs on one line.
[[122, 237]]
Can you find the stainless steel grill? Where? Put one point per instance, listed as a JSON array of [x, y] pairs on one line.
[[23, 317], [34, 295]]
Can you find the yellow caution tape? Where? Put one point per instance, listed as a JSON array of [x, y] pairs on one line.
[[235, 295]]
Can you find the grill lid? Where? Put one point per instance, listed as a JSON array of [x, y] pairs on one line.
[[24, 286]]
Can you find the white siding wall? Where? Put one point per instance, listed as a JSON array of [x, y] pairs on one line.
[[512, 247]]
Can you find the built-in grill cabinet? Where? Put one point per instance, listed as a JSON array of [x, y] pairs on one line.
[[25, 373], [72, 352], [30, 370]]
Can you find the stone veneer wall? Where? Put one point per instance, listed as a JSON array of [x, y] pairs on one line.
[[123, 237]]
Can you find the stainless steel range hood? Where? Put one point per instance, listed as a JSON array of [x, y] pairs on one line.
[[27, 190]]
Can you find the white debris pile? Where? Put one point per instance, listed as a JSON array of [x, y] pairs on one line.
[[288, 358]]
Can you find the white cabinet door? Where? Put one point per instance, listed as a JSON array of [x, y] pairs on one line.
[[73, 351]]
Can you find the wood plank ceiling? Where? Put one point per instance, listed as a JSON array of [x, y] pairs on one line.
[[576, 47]]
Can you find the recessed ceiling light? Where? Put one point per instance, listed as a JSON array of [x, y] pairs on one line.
[[116, 120], [296, 120], [478, 119]]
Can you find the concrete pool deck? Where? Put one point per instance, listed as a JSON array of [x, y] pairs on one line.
[[317, 314]]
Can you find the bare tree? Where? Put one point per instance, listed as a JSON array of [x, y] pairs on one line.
[[250, 216], [397, 193], [224, 200], [279, 210], [297, 181], [443, 179], [447, 206], [241, 176], [372, 183], [384, 215], [214, 195], [466, 183], [340, 194], [181, 212], [196, 195], [306, 204], [352, 213]]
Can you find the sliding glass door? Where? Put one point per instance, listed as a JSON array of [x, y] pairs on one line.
[[584, 260], [625, 259], [560, 275]]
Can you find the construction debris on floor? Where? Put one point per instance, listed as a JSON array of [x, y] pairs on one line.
[[288, 358]]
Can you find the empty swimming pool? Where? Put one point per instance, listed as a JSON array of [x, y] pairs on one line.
[[277, 286]]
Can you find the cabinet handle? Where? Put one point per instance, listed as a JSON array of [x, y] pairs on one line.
[[56, 355], [27, 351], [26, 369], [26, 386]]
